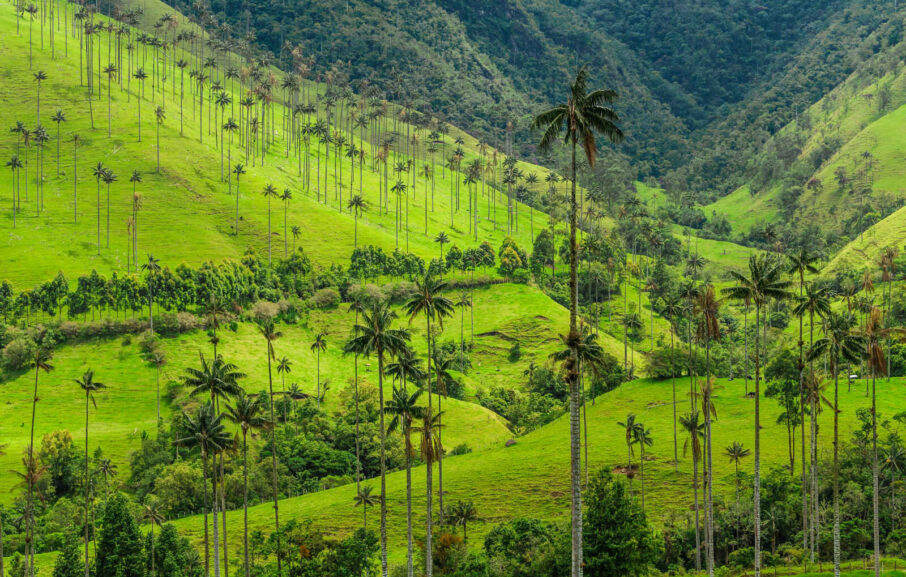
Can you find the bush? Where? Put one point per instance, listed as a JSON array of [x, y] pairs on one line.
[[17, 355], [515, 352], [461, 449], [264, 311], [326, 298]]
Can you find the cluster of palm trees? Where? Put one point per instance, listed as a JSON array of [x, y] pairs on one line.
[[374, 335], [321, 122]]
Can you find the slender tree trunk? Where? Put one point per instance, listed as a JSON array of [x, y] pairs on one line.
[[87, 485], [245, 503], [270, 381], [673, 379], [204, 476], [836, 470], [876, 528], [757, 473], [384, 573], [573, 378]]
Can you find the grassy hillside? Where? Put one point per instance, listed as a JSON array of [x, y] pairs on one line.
[[187, 213], [537, 465], [128, 407]]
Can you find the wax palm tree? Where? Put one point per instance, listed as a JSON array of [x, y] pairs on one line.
[[441, 239], [632, 324], [110, 71], [269, 193], [15, 165], [375, 335], [736, 452], [107, 469], [294, 393], [431, 451], [41, 362], [357, 206], [206, 431], [160, 115], [246, 412], [405, 410], [90, 387], [230, 127], [238, 170], [763, 283], [427, 300], [109, 177], [158, 358], [59, 118], [152, 268], [152, 513], [629, 427], [695, 431], [583, 114], [141, 76], [269, 332], [285, 197], [296, 232], [801, 263], [214, 310], [462, 513], [39, 76], [674, 309], [2, 454], [707, 308], [135, 179], [840, 346], [217, 379], [464, 302], [284, 367], [98, 172], [875, 334], [365, 498], [643, 438], [318, 346]]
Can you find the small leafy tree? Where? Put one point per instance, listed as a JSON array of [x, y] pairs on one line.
[[618, 540], [120, 551]]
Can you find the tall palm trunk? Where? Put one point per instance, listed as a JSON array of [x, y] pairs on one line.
[[429, 479], [270, 383], [87, 485], [216, 534], [573, 383], [698, 538], [245, 503], [876, 529], [836, 471], [757, 472], [204, 478], [673, 379], [384, 573]]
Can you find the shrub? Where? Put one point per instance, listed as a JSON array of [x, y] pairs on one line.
[[515, 352], [18, 353], [326, 298], [461, 449], [263, 311]]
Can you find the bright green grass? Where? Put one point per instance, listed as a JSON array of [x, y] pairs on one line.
[[847, 114], [531, 478], [745, 210], [128, 406], [188, 216]]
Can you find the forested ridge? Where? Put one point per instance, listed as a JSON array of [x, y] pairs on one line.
[[709, 82]]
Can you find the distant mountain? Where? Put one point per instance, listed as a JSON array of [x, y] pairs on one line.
[[703, 83]]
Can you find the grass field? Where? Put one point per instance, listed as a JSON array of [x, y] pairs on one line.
[[188, 214], [538, 463]]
